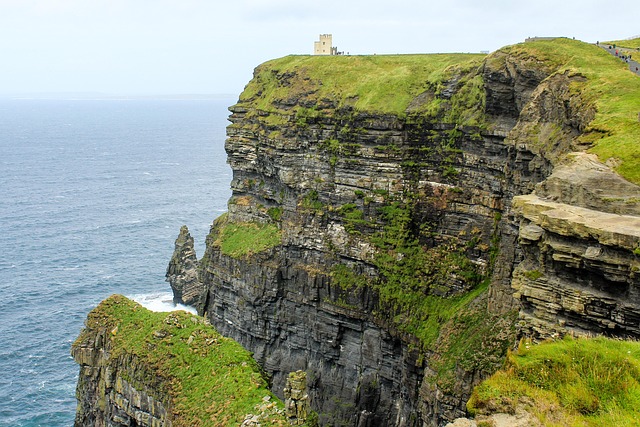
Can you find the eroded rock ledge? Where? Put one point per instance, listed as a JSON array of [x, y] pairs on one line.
[[580, 233]]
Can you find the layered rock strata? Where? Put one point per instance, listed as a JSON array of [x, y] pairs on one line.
[[580, 233], [106, 397], [182, 272], [115, 391], [380, 213], [296, 398]]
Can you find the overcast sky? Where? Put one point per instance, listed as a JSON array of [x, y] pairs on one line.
[[212, 46]]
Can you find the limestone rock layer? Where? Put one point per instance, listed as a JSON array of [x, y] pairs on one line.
[[414, 243]]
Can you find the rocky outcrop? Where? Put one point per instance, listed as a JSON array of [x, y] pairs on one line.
[[115, 391], [106, 397], [580, 233], [411, 241], [296, 398], [182, 272]]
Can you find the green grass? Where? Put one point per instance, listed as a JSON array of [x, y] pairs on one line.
[[406, 85], [630, 44], [211, 380], [375, 83], [275, 213], [570, 382], [243, 239], [472, 339], [423, 316], [413, 277], [609, 86]]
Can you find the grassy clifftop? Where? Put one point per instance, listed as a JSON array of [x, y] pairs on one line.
[[609, 86], [211, 380], [376, 83], [571, 382], [399, 84]]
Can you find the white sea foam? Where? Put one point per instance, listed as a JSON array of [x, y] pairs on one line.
[[160, 302]]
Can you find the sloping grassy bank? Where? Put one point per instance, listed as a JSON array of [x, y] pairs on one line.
[[610, 86], [569, 383], [629, 43]]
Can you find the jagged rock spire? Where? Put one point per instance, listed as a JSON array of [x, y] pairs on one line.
[[182, 272]]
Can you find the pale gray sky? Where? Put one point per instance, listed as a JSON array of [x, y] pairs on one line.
[[211, 46]]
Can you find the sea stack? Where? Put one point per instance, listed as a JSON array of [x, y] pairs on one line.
[[182, 272]]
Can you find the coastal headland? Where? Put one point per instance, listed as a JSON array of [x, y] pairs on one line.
[[399, 227]]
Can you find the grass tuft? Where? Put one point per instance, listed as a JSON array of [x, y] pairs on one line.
[[241, 239], [570, 382]]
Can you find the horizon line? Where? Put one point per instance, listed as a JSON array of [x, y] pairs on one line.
[[96, 96]]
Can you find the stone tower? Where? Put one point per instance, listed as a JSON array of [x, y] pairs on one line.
[[324, 46]]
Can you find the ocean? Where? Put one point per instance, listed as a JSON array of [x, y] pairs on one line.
[[93, 194]]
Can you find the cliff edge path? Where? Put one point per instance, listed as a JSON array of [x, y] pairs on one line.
[[634, 66]]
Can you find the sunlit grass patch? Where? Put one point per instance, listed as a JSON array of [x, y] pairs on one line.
[[239, 239]]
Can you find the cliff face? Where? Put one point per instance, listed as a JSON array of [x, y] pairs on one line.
[[579, 233], [105, 391], [409, 240]]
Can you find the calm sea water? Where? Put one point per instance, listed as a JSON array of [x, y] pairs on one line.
[[92, 197]]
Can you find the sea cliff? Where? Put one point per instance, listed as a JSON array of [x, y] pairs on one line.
[[398, 222], [139, 368]]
